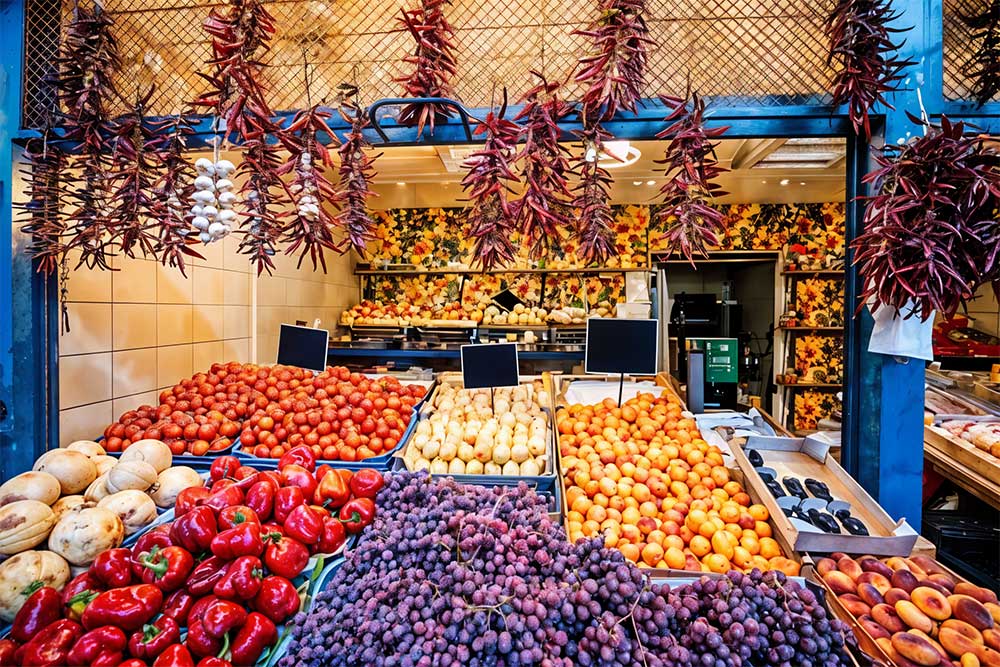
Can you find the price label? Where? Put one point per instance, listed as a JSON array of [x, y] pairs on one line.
[[617, 346], [304, 347], [489, 365]]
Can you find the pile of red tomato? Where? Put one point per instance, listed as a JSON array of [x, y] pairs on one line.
[[220, 575]]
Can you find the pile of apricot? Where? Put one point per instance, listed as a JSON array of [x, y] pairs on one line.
[[642, 476]]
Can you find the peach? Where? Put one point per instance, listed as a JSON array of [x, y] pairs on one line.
[[849, 566], [872, 627], [837, 555], [969, 660], [886, 616], [991, 638], [943, 580], [957, 644], [869, 594], [994, 610], [988, 657], [855, 605], [894, 595], [897, 563], [931, 602], [915, 649], [972, 612], [877, 566], [877, 580], [918, 571], [824, 565], [839, 582], [936, 586], [945, 658], [963, 628], [977, 592], [927, 564], [913, 617], [904, 579]]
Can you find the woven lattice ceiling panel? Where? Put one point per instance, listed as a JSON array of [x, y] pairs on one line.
[[767, 50], [959, 47]]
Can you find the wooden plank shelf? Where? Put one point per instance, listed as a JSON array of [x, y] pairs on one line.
[[474, 272], [964, 464], [830, 330], [824, 273], [811, 385]]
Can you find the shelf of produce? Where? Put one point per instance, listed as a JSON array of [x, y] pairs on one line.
[[475, 272], [820, 273], [819, 330], [811, 385], [535, 355], [964, 464]]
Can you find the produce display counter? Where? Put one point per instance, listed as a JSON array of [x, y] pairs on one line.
[[963, 464]]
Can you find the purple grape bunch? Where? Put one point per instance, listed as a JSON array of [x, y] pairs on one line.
[[457, 575]]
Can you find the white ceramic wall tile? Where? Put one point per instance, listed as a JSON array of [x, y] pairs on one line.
[[208, 323], [90, 329], [212, 253], [134, 371], [125, 403], [231, 257], [134, 281], [84, 423], [173, 324], [269, 319], [236, 321], [270, 291], [236, 350], [172, 286], [173, 364], [208, 285], [236, 289], [206, 354], [135, 325], [87, 285], [267, 349], [84, 378]]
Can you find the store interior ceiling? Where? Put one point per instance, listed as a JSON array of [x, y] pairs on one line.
[[761, 171]]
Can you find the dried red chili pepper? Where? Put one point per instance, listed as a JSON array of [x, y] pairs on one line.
[[595, 222], [356, 175], [614, 70], [176, 235], [983, 65], [433, 63], [860, 43], [263, 196], [543, 211], [690, 223], [41, 213]]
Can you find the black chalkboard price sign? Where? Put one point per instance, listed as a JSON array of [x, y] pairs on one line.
[[304, 347], [621, 346], [489, 365]]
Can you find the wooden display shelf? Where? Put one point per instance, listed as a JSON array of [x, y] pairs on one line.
[[811, 385], [815, 329], [964, 464], [830, 273], [493, 272]]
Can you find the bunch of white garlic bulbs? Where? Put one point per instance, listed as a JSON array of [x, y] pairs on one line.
[[308, 204], [213, 199]]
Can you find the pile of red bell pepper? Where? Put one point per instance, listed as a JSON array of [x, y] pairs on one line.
[[222, 570]]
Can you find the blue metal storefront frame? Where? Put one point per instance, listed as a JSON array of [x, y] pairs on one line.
[[883, 400]]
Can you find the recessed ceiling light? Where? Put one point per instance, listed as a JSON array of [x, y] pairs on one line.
[[764, 182], [650, 182], [784, 181], [636, 182], [400, 182], [802, 182]]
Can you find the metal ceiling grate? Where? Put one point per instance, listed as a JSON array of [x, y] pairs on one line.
[[958, 47], [767, 51]]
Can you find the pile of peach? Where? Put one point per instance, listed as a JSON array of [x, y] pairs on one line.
[[643, 477], [917, 612]]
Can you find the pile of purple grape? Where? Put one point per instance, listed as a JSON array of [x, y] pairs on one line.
[[456, 575]]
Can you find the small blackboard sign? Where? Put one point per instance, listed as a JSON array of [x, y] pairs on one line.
[[507, 300], [304, 347], [489, 365], [620, 346]]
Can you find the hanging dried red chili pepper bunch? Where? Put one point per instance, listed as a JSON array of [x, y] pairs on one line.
[[41, 213], [691, 224], [133, 176], [433, 62], [984, 65], [491, 213], [594, 229], [615, 68], [543, 211], [174, 188], [861, 45], [931, 237], [310, 230], [357, 171], [87, 63]]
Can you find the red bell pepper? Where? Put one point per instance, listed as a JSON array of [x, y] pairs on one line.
[[198, 608], [113, 568], [178, 605], [260, 498], [321, 471], [108, 659], [234, 515], [78, 593], [243, 472], [277, 599], [243, 540], [188, 499], [221, 616], [286, 499], [157, 537], [223, 495], [50, 647], [167, 568], [273, 475], [285, 556], [195, 530], [241, 580], [88, 648], [205, 575], [8, 647], [212, 661], [333, 537], [176, 655], [301, 456], [43, 607], [295, 475], [304, 525], [134, 662], [200, 642], [154, 638], [332, 492], [357, 514], [257, 633], [345, 475], [366, 483], [224, 466], [127, 608]]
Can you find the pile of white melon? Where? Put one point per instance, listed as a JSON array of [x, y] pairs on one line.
[[466, 436]]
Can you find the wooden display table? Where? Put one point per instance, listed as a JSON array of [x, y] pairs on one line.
[[964, 464]]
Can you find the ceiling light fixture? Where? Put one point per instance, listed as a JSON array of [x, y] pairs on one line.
[[618, 154], [802, 182], [784, 181], [650, 182], [764, 182], [400, 182], [636, 182]]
